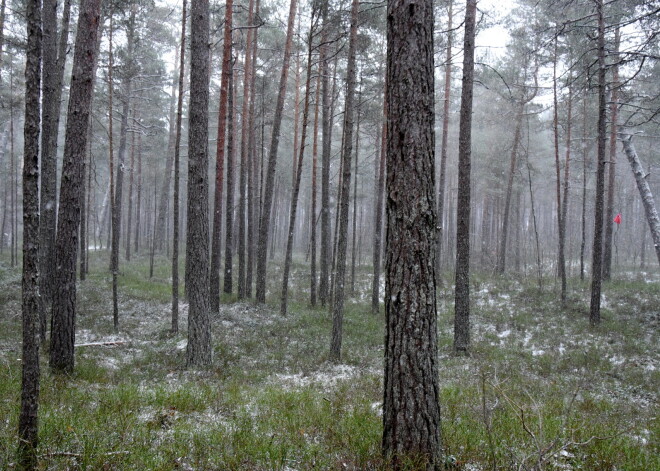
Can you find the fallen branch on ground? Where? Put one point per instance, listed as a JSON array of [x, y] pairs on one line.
[[100, 344]]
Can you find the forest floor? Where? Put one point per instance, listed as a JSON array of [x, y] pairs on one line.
[[541, 390]]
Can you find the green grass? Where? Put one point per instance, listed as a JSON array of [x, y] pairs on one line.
[[541, 387]]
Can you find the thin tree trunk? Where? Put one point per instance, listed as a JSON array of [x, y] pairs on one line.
[[242, 201], [129, 216], [597, 261], [501, 259], [445, 138], [342, 210], [28, 425], [167, 181], [326, 136], [246, 162], [229, 205], [585, 154], [296, 183], [561, 261], [216, 236], [462, 290], [567, 166], [176, 198], [357, 146], [312, 242], [378, 210], [536, 231], [138, 189], [614, 111], [264, 224]]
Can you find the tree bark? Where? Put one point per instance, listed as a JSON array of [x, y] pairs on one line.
[[614, 111], [326, 146], [298, 176], [264, 225], [501, 259], [199, 351], [354, 235], [597, 261], [378, 210], [462, 289], [411, 413], [246, 120], [68, 218], [644, 192], [313, 219], [53, 75], [445, 137], [342, 210], [28, 425], [219, 164], [175, 196], [564, 200], [561, 260], [119, 181], [48, 197]]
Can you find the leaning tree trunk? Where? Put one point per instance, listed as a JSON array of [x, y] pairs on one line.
[[199, 351], [68, 218], [411, 413], [264, 225], [644, 192], [28, 426], [462, 289], [342, 210]]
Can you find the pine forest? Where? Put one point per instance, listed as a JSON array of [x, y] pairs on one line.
[[291, 235]]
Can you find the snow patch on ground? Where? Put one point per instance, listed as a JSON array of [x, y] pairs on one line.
[[326, 378]]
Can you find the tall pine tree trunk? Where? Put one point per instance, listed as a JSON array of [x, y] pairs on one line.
[[342, 210], [175, 195], [264, 225], [199, 351], [445, 137], [326, 146], [28, 425], [597, 260], [462, 290], [614, 111], [298, 176], [68, 218], [219, 162], [411, 413], [378, 210], [246, 162]]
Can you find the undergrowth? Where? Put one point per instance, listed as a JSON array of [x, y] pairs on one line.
[[541, 390]]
